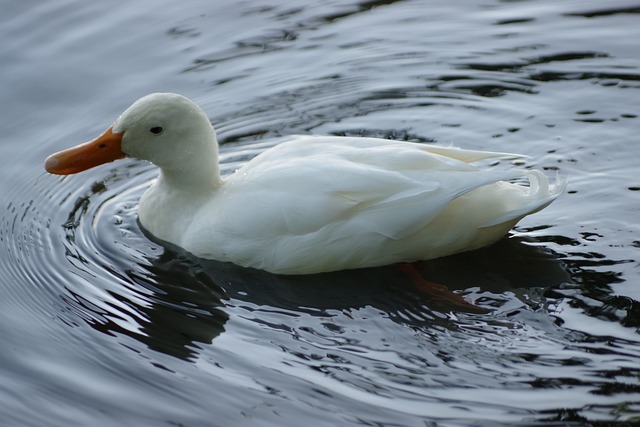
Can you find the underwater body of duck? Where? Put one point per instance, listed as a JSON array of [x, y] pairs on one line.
[[311, 204]]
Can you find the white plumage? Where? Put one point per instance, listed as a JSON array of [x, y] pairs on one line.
[[317, 204]]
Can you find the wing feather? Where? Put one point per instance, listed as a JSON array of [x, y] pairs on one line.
[[369, 185]]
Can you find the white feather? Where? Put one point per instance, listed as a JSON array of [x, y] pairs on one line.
[[318, 204]]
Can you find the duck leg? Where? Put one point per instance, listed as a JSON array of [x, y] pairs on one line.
[[437, 291]]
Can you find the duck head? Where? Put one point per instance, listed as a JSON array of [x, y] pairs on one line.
[[166, 129]]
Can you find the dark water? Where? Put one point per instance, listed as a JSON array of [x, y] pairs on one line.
[[100, 326]]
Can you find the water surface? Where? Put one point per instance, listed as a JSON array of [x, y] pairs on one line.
[[101, 326]]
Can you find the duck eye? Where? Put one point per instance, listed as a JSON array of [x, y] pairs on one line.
[[156, 130]]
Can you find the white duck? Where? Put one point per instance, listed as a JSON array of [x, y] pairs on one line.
[[310, 204]]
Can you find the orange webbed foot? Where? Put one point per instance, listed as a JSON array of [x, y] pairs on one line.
[[437, 291]]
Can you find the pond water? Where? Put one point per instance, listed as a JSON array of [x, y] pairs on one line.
[[101, 326]]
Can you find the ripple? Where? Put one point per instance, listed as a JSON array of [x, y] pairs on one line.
[[105, 273], [103, 323], [606, 12]]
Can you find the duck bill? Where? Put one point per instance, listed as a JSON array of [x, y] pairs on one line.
[[104, 149]]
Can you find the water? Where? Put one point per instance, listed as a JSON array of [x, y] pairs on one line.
[[101, 326]]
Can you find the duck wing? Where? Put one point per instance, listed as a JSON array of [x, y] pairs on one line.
[[364, 185]]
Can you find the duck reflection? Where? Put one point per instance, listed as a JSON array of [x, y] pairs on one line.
[[184, 300]]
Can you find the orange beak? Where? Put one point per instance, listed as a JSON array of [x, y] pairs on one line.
[[104, 149]]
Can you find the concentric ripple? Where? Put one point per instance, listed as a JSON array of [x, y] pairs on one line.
[[101, 325], [410, 359], [365, 339]]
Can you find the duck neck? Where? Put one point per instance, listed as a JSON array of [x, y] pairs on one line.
[[191, 181], [197, 174]]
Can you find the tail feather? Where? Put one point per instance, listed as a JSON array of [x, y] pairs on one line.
[[541, 194]]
